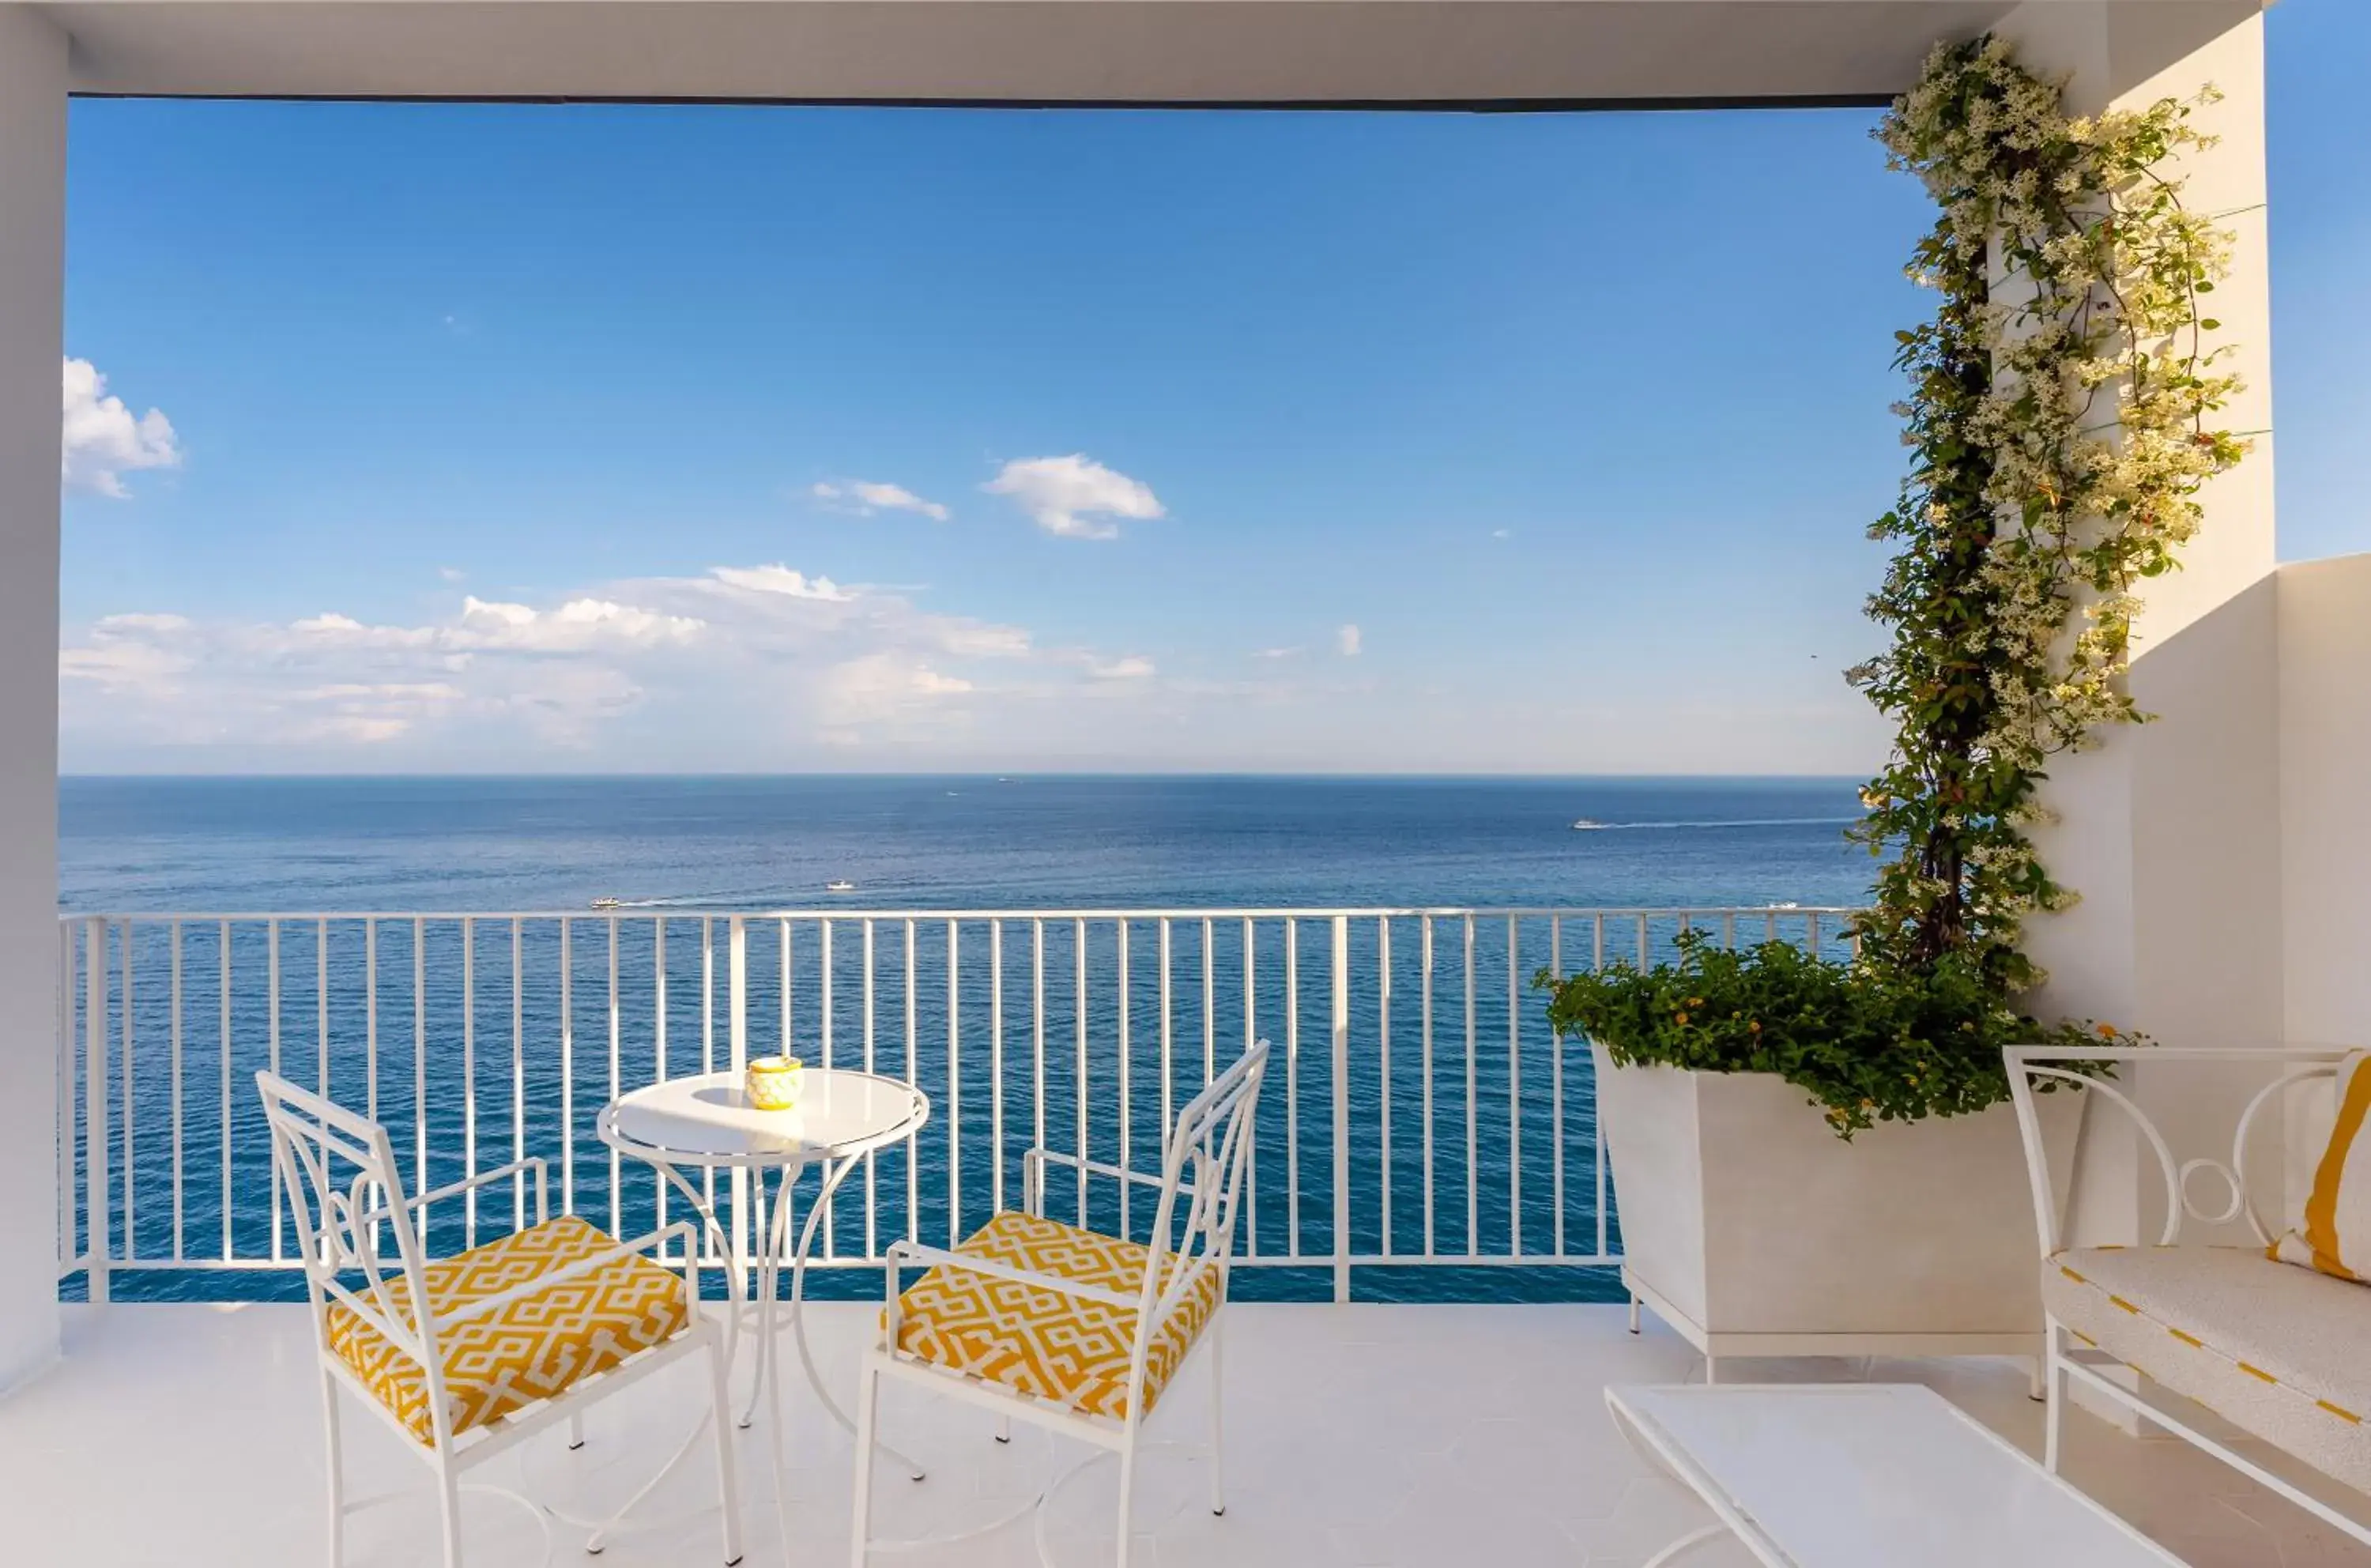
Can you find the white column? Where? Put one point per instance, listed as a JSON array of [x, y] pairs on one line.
[[32, 229], [2171, 832]]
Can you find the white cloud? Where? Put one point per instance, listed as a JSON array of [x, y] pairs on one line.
[[1276, 653], [1067, 495], [865, 497], [104, 440], [779, 579], [452, 573], [1502, 532], [1347, 640], [576, 625], [733, 666]]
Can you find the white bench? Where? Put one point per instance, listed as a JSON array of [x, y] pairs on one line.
[[2281, 1352]]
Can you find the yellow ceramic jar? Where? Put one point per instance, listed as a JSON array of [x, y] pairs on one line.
[[773, 1082]]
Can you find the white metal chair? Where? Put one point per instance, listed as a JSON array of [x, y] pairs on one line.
[[2279, 1351], [514, 1336], [1070, 1328]]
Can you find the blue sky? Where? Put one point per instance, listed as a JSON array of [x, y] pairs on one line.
[[521, 438]]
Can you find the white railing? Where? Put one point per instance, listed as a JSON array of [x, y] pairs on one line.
[[1420, 1112]]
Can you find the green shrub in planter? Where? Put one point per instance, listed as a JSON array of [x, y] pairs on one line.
[[1868, 1042]]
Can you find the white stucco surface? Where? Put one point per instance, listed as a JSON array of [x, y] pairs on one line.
[[2325, 636], [32, 194]]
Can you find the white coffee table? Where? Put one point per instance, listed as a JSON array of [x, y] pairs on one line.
[[1868, 1475]]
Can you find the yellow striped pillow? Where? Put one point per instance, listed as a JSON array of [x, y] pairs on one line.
[[2337, 1235]]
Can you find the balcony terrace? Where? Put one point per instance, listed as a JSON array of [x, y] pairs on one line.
[[1414, 1099]]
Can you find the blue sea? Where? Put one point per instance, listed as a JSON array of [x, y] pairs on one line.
[[476, 1039], [944, 842]]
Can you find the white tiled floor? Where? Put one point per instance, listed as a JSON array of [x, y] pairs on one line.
[[1366, 1435]]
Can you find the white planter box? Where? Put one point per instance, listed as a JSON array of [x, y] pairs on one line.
[[1752, 1230]]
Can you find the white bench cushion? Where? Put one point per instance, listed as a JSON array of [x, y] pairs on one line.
[[2283, 1352]]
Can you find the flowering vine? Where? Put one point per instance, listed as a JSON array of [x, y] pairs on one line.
[[2061, 418]]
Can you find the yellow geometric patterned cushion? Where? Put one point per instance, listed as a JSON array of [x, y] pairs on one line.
[[532, 1349], [1039, 1342]]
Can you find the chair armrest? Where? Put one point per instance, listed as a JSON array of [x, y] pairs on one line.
[[1033, 1176], [584, 1265], [1093, 1167], [455, 1189], [903, 1252]]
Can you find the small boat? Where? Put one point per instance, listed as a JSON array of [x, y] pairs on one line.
[[1584, 825], [604, 903], [839, 886]]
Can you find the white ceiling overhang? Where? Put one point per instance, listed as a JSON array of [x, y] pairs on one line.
[[1502, 53]]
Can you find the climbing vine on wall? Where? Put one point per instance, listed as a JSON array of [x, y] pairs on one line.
[[2062, 420]]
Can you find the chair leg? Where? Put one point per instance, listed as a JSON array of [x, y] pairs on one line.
[[1127, 1496], [448, 1497], [333, 1452], [1218, 1421], [1004, 1429], [2055, 1395], [860, 1524], [728, 1477], [575, 1432]]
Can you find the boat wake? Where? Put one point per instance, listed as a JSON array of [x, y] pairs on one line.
[[1733, 822]]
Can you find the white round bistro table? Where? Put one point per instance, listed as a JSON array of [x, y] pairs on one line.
[[706, 1123]]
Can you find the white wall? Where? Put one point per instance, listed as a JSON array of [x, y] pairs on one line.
[[2171, 832], [32, 219], [2325, 640]]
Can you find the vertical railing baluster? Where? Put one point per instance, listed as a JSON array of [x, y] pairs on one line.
[[871, 1191], [176, 1073], [222, 1006], [272, 1055], [1079, 1008], [518, 1071], [1812, 929], [1341, 1033], [616, 1032], [1165, 1032], [785, 946], [96, 1190], [1125, 1072], [1425, 1007], [567, 1065], [823, 998], [996, 1063], [707, 1042], [420, 1069], [1210, 1002], [736, 1027], [470, 1076], [953, 1085], [370, 1017], [1038, 1043], [1555, 1095], [913, 1068], [1291, 1087], [1251, 1036], [126, 934], [659, 1039], [321, 1005], [1384, 1067], [1514, 1088], [1473, 1109]]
